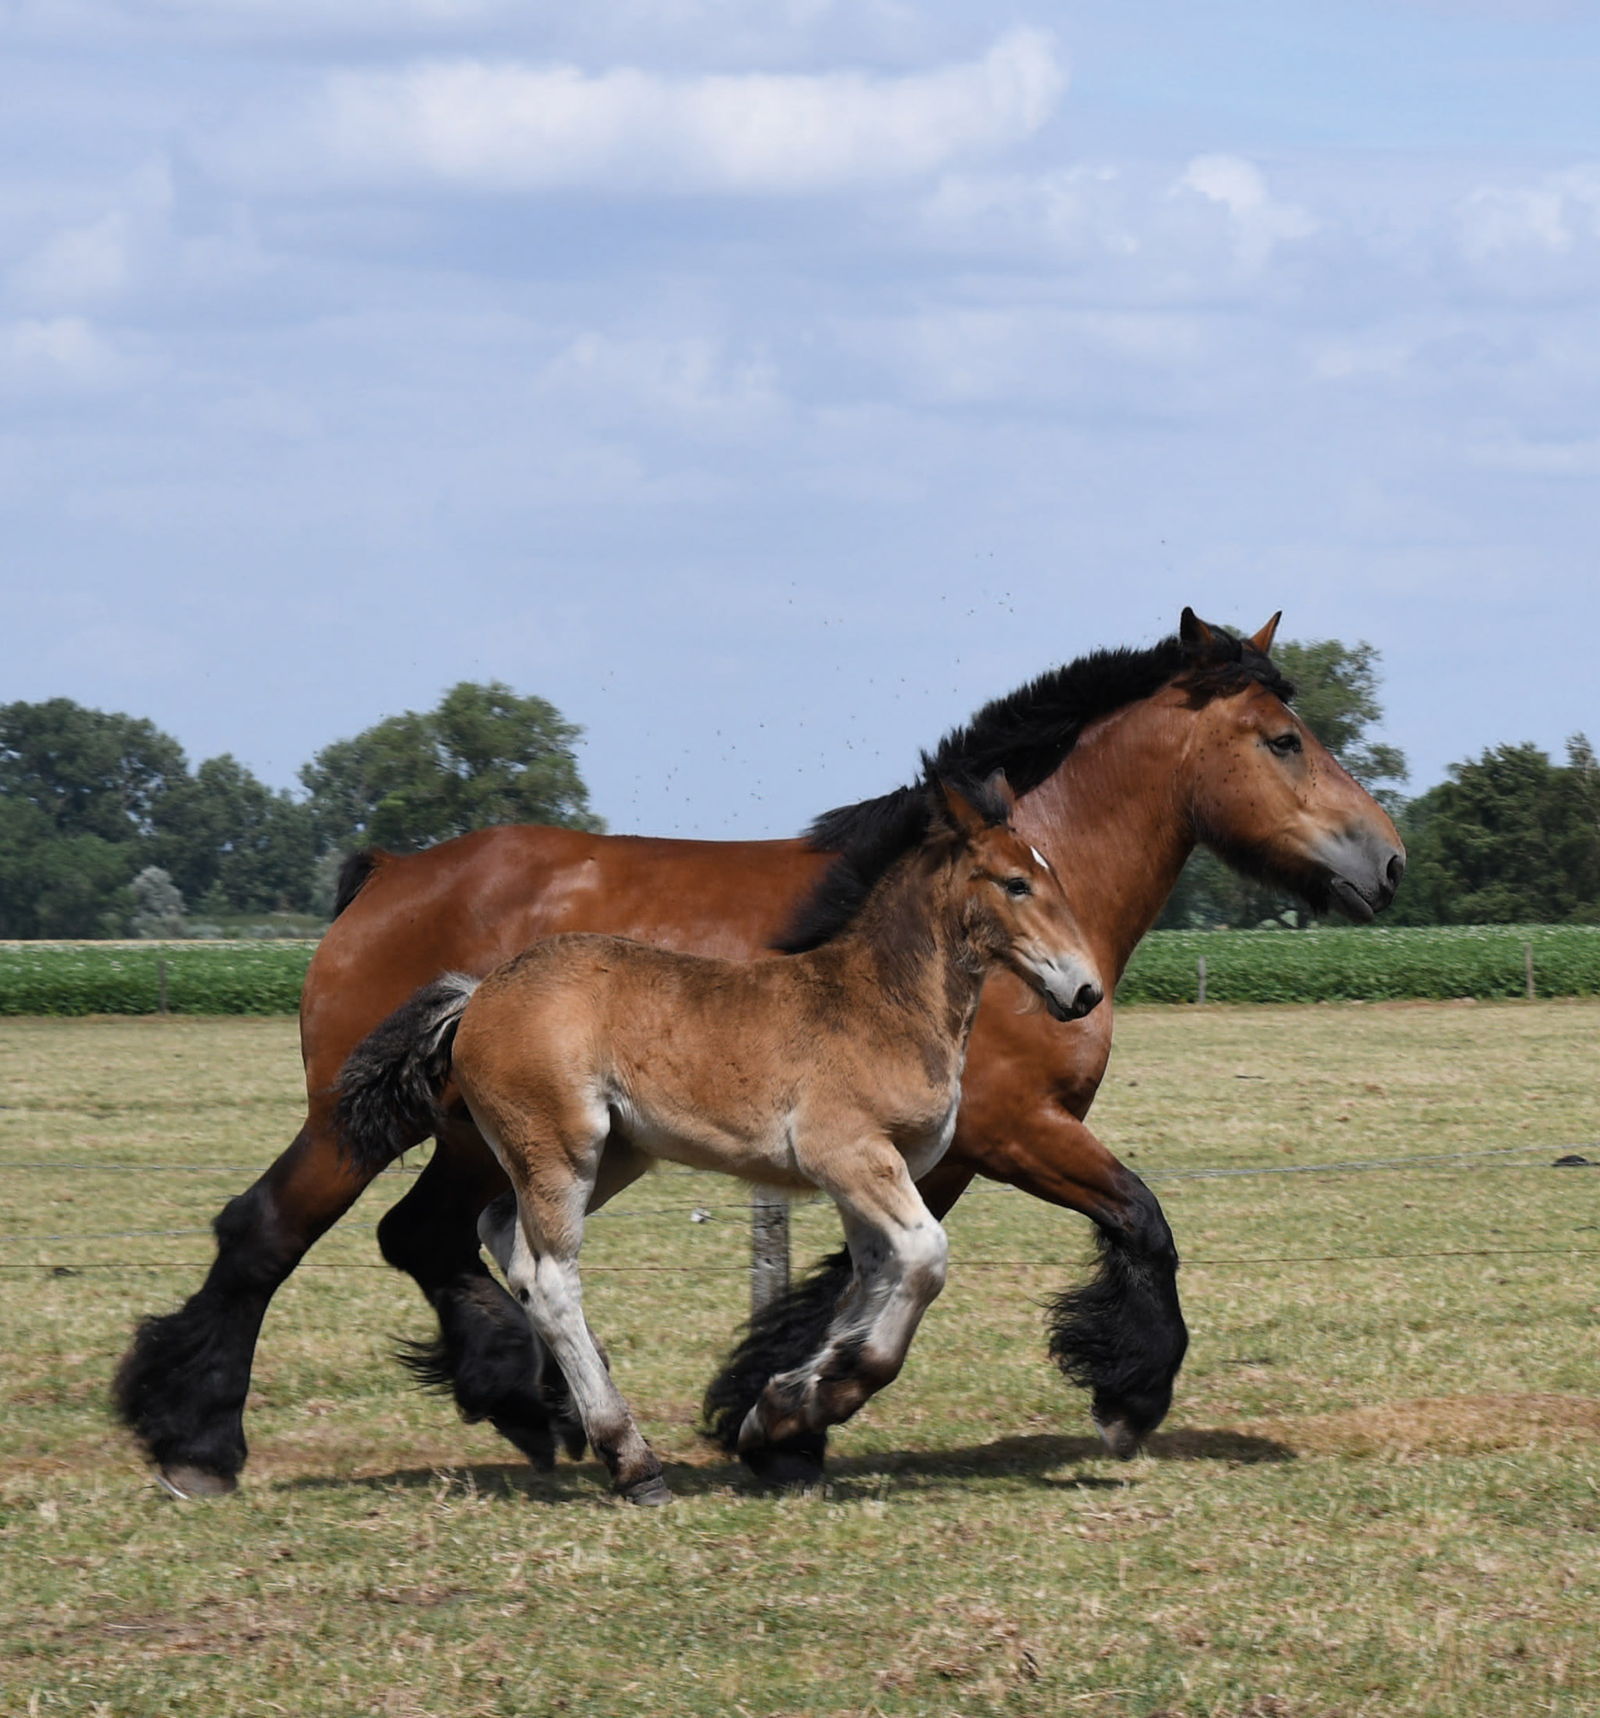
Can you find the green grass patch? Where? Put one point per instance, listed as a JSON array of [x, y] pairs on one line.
[[46, 978], [1365, 964], [1324, 965]]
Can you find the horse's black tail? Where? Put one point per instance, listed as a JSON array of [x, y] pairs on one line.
[[390, 1085]]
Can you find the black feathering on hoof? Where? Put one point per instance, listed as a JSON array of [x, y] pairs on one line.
[[780, 1337], [486, 1357], [1122, 1337]]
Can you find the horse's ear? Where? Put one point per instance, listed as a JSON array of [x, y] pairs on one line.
[[1262, 640], [964, 817], [1193, 634]]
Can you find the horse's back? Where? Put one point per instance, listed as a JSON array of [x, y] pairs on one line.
[[471, 903]]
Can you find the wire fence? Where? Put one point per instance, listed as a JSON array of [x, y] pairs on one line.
[[1519, 1158]]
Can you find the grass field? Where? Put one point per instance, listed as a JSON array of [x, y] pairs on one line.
[[1378, 1492]]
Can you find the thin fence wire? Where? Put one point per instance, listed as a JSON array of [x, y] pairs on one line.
[[702, 1211], [957, 1266]]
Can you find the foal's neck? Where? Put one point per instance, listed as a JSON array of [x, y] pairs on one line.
[[911, 942]]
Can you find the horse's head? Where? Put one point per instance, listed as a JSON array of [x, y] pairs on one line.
[[1012, 903], [1266, 794]]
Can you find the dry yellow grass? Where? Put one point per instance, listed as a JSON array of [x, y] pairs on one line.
[[1379, 1492]]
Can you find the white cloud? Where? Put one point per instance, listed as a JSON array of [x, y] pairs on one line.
[[52, 354], [1552, 215], [510, 127], [78, 265], [1260, 224]]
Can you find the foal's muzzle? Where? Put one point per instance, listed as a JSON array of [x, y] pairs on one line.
[[1084, 1001]]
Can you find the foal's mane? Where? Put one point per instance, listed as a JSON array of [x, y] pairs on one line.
[[1027, 733], [878, 845]]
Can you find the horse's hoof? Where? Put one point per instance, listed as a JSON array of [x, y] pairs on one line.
[[648, 1493], [185, 1483], [793, 1465], [1119, 1438]]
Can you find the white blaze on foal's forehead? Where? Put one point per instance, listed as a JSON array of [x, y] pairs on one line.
[[1044, 864]]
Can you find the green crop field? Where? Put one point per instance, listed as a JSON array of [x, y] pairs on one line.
[[1378, 1493], [1323, 965]]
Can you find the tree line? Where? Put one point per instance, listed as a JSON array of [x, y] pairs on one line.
[[105, 830]]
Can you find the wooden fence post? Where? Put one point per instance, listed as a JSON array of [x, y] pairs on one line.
[[1527, 969], [769, 1247], [1200, 983], [161, 987]]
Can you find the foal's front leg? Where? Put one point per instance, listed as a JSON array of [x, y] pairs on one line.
[[898, 1251], [537, 1249]]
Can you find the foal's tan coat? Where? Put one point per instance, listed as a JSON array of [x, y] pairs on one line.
[[587, 1056]]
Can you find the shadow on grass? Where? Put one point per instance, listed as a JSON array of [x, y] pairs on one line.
[[1037, 1458]]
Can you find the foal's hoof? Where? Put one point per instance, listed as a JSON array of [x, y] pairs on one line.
[[647, 1493], [185, 1483], [1120, 1438]]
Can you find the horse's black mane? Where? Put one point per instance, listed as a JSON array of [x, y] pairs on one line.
[[1026, 734]]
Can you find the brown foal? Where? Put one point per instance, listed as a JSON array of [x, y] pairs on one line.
[[588, 1056]]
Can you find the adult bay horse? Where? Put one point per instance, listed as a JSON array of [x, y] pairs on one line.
[[1123, 761], [586, 1057]]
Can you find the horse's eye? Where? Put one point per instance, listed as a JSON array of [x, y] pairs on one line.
[[1285, 745], [1018, 886]]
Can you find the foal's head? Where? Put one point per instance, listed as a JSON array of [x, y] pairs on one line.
[[1011, 903]]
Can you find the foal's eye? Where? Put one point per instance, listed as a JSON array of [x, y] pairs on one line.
[[1285, 745], [1018, 886]]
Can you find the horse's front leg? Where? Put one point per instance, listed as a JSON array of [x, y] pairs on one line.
[[898, 1252], [1121, 1335], [181, 1386]]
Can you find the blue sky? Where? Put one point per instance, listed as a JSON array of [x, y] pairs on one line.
[[768, 384]]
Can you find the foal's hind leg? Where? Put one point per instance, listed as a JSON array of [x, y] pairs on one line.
[[537, 1249], [898, 1250], [486, 1355]]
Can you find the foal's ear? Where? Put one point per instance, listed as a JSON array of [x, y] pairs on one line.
[[964, 817], [1262, 640], [1193, 633], [998, 791]]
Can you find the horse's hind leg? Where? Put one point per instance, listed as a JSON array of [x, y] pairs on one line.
[[898, 1250], [486, 1355], [181, 1386], [783, 1336]]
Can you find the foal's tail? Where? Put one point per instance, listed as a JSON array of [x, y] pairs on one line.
[[390, 1085]]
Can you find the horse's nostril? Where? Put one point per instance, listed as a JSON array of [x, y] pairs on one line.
[[1087, 999], [1395, 870]]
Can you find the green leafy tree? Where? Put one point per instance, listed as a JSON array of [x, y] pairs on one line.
[[55, 885], [91, 772], [485, 755], [80, 791], [1510, 837], [231, 841], [1336, 696]]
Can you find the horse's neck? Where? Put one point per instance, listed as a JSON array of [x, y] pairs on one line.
[[908, 944], [1118, 813]]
